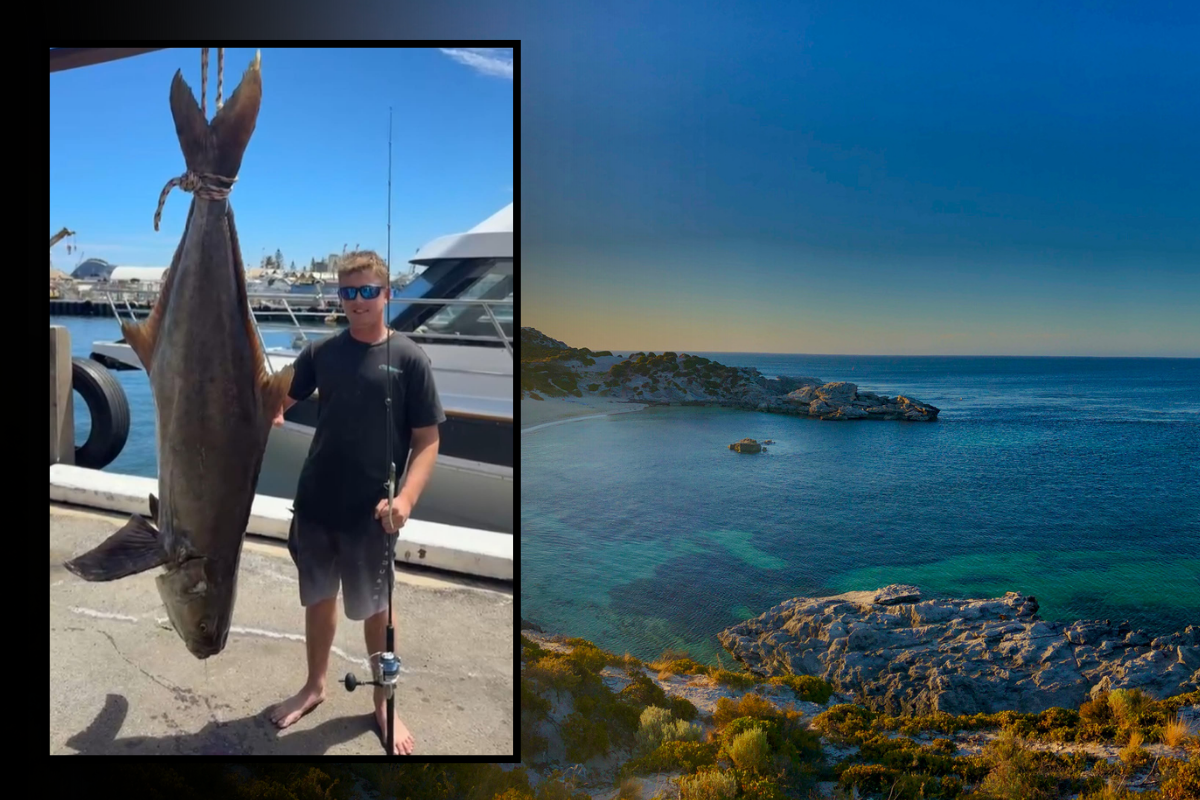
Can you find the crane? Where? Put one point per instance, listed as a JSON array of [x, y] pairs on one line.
[[58, 237]]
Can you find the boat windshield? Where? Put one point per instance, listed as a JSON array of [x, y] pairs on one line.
[[468, 279], [496, 284]]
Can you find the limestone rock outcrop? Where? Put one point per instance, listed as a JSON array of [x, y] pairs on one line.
[[900, 653]]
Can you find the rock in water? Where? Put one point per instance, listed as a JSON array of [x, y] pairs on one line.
[[897, 593], [959, 656], [746, 446]]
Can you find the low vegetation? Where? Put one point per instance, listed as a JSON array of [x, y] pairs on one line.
[[1107, 718], [551, 371], [750, 747], [806, 687], [332, 781]]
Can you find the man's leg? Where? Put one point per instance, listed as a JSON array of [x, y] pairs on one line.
[[314, 550], [320, 624], [375, 633], [365, 590]]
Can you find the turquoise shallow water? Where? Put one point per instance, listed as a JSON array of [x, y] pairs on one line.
[[1074, 480]]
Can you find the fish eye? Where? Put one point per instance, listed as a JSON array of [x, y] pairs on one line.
[[203, 628]]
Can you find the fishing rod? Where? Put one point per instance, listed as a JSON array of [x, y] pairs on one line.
[[389, 662]]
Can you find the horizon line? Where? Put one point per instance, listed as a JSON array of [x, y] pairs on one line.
[[877, 355]]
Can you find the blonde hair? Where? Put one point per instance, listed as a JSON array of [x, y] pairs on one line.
[[362, 260]]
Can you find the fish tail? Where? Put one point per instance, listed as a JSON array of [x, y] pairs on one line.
[[217, 148]]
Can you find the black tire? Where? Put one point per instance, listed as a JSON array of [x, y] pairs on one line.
[[109, 410]]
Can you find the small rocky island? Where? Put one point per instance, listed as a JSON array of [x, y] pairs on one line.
[[550, 368], [901, 654], [746, 446]]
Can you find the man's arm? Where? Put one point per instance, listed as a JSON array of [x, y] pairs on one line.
[[420, 466], [304, 382], [423, 410]]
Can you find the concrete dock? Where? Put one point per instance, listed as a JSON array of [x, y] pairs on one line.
[[121, 680]]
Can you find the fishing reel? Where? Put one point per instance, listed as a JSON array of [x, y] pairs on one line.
[[389, 671]]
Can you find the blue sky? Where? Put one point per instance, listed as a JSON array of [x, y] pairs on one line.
[[314, 177], [840, 177]]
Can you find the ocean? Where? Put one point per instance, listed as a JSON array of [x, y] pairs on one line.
[[140, 454], [1075, 480]]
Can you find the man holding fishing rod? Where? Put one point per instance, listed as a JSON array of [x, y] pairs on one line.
[[341, 505]]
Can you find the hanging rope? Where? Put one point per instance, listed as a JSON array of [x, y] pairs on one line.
[[204, 79], [205, 185]]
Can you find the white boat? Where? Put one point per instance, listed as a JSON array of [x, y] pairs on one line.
[[459, 310]]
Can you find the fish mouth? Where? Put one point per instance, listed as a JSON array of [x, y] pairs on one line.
[[204, 652]]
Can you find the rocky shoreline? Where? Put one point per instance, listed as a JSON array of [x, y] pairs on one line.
[[550, 368], [898, 653]]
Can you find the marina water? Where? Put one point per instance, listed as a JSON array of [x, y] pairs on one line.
[[1075, 480], [139, 456]]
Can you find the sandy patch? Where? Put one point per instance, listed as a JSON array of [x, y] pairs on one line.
[[541, 414]]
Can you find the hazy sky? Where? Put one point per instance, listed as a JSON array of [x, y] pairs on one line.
[[315, 174], [950, 178]]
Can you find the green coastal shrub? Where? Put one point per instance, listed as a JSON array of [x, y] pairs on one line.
[[679, 664], [757, 786], [806, 687], [682, 708], [749, 705], [677, 756], [749, 750], [844, 722], [650, 730], [709, 785], [1181, 780], [555, 672], [584, 738], [658, 725], [555, 787], [531, 651], [590, 657], [887, 782], [737, 680], [643, 691]]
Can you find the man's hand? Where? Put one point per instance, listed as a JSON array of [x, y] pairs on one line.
[[400, 512]]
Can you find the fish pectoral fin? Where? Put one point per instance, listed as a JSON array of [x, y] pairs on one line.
[[142, 337], [274, 390], [134, 548]]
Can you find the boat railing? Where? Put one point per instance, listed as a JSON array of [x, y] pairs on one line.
[[287, 299]]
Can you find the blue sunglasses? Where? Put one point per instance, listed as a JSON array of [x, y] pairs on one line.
[[351, 292]]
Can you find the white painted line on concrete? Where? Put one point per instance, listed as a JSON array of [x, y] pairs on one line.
[[91, 612]]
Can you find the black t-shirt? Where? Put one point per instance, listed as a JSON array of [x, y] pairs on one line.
[[345, 474]]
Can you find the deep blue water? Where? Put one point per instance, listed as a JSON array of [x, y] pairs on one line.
[[1074, 480]]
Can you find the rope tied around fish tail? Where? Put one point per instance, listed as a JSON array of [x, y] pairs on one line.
[[202, 184]]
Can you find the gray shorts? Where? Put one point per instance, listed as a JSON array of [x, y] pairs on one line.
[[356, 556]]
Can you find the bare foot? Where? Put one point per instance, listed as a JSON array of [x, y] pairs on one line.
[[297, 706], [402, 739]]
